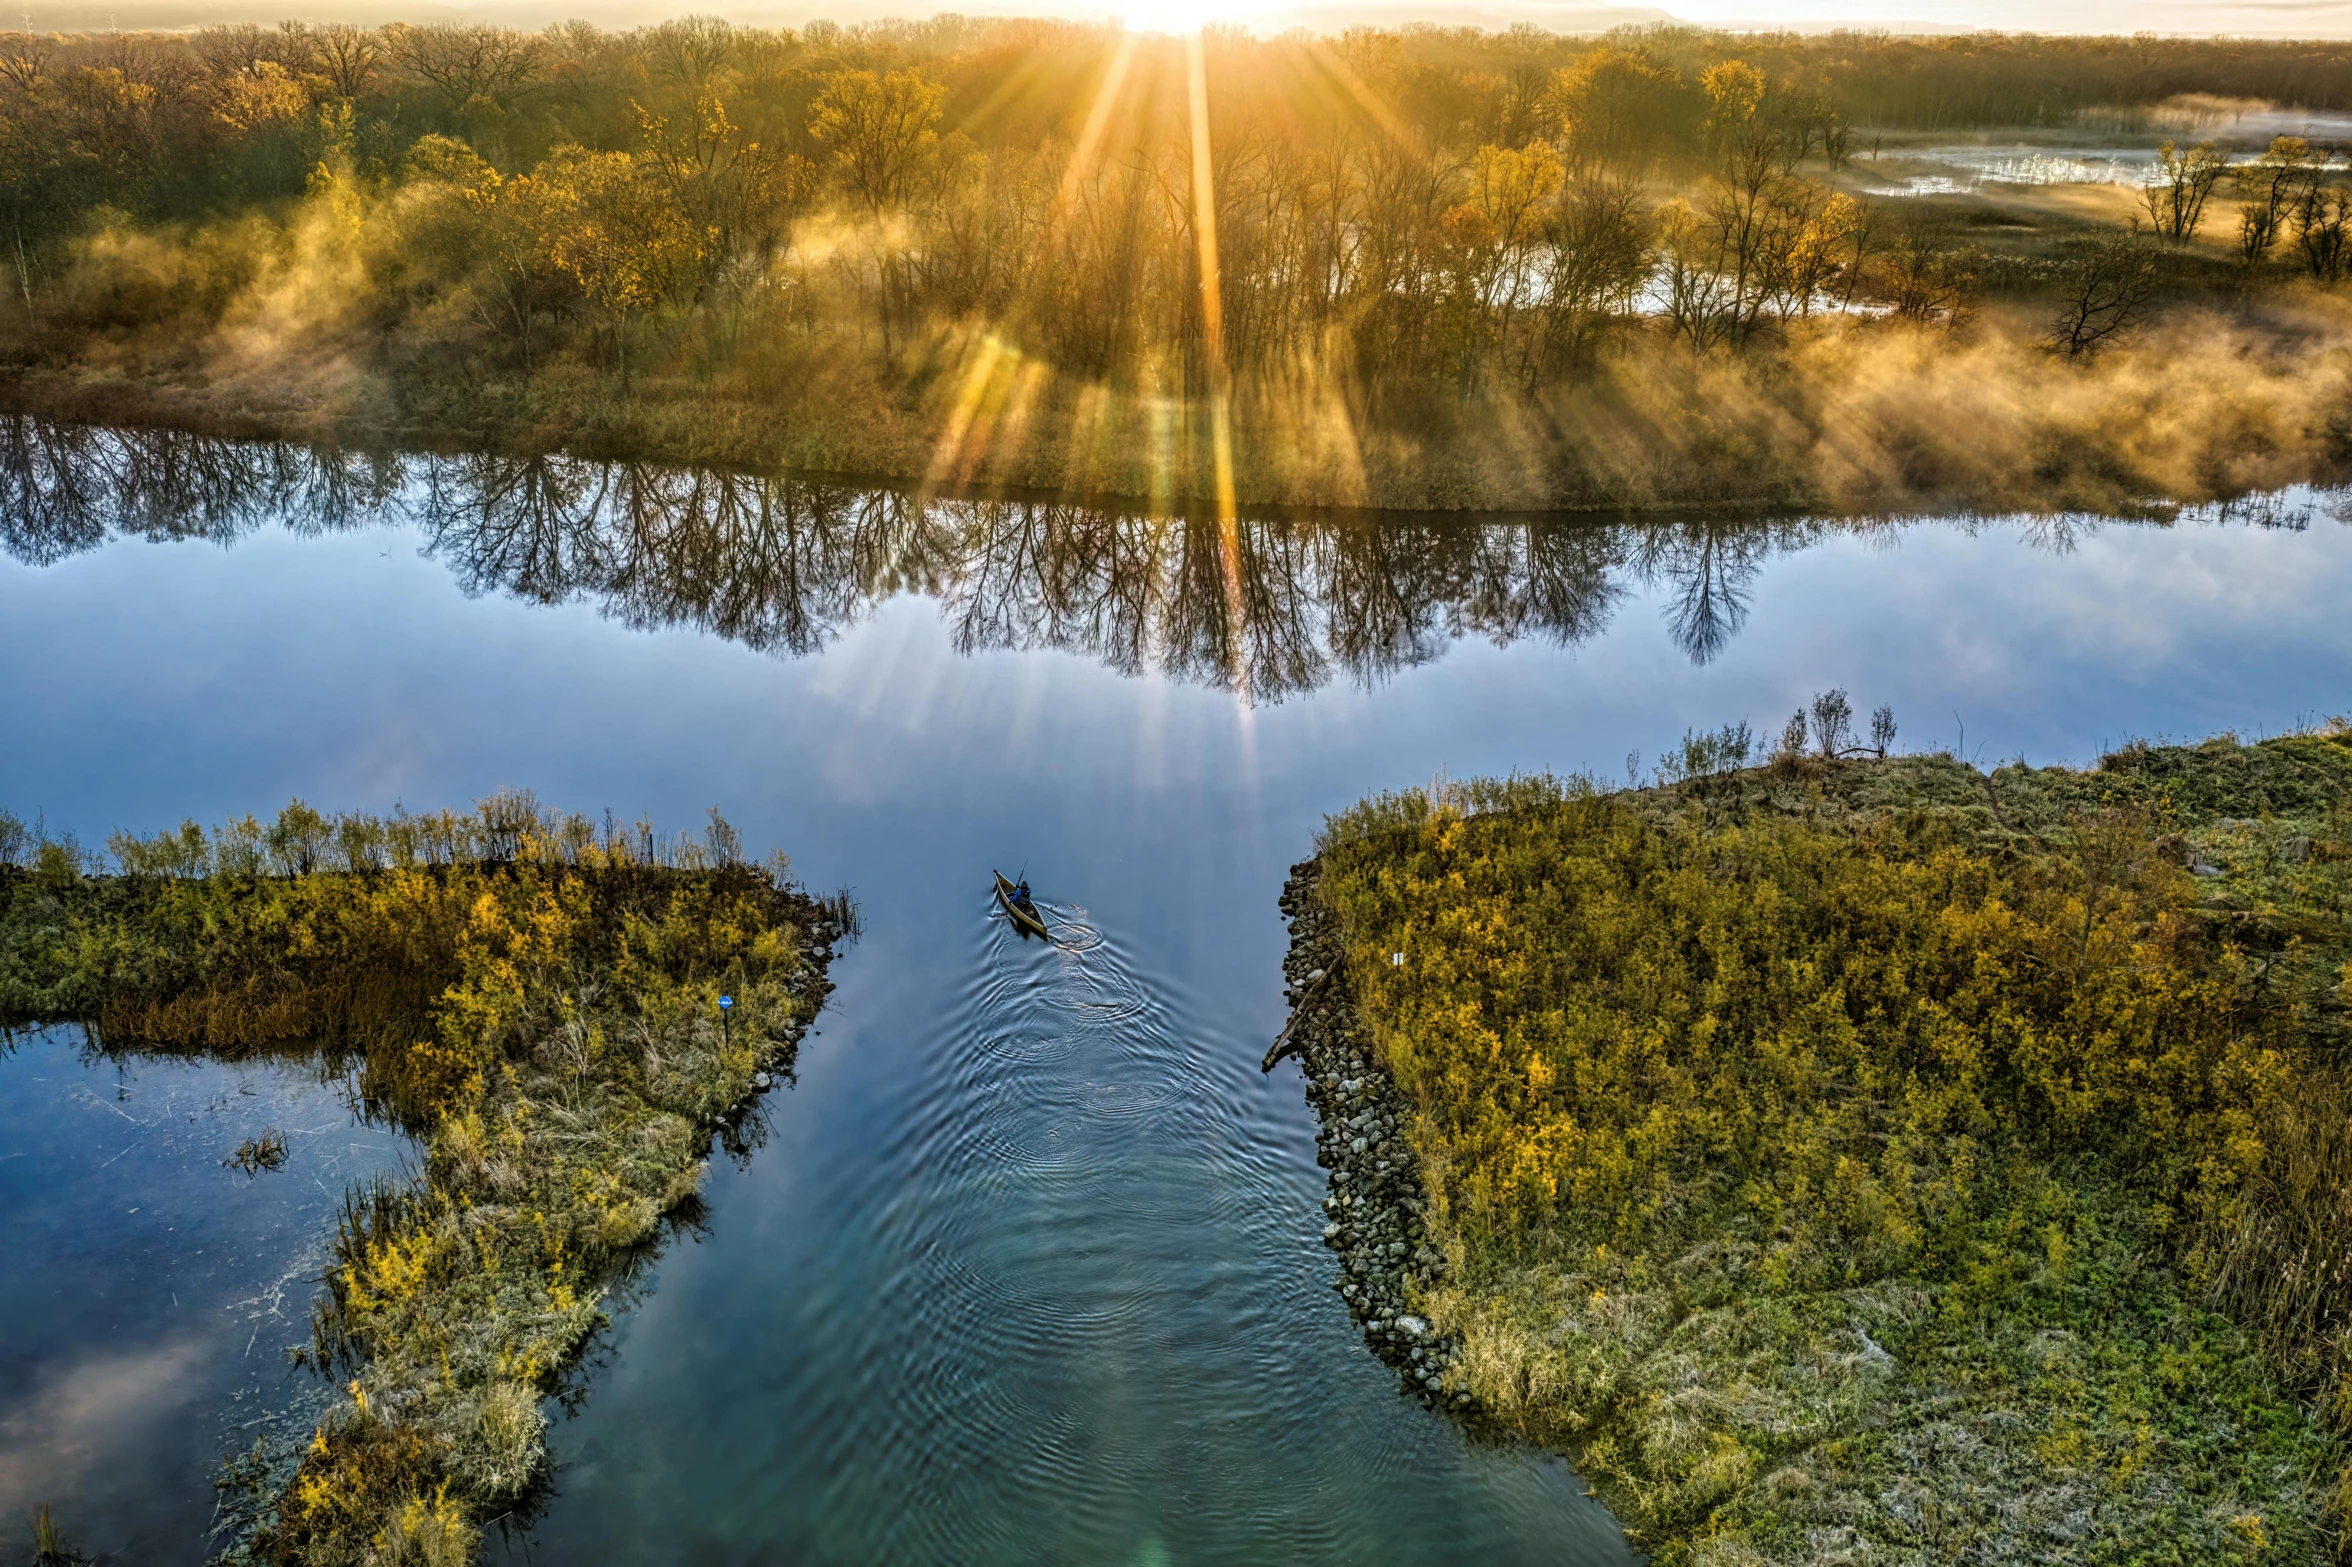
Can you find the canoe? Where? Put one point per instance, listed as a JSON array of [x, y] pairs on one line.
[[1025, 920]]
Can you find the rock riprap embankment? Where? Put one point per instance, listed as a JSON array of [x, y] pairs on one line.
[[1375, 1212]]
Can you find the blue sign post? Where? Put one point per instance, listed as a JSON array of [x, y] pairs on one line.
[[726, 1005]]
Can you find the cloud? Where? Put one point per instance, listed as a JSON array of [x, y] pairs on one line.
[[105, 1408]]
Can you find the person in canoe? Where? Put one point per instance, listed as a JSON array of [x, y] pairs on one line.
[[1023, 908]]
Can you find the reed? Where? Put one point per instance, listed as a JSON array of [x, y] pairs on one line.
[[49, 1544], [256, 1154]]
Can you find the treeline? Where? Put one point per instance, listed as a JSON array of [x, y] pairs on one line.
[[1452, 203], [494, 190]]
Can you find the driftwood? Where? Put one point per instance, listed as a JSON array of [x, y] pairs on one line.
[[1284, 1044]]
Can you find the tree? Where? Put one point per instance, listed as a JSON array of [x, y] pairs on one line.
[[261, 97], [733, 189], [1833, 721], [24, 60], [2323, 226], [610, 224], [1618, 108], [488, 233], [466, 65], [2176, 198], [1509, 191], [691, 48], [1596, 258], [237, 50], [2106, 292], [2266, 195], [1490, 242], [880, 130], [1735, 91], [1918, 282], [347, 57]]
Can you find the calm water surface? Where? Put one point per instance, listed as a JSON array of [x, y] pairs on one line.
[[1028, 1266], [149, 1293]]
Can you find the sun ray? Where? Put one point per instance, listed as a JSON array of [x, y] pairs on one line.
[[979, 370], [1204, 222], [1098, 117], [1022, 78], [1365, 98]]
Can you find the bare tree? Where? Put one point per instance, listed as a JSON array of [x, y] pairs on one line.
[[234, 51], [347, 57], [1792, 739], [464, 64], [24, 60], [1833, 721], [1918, 282], [2176, 198], [1597, 256], [2323, 225], [2266, 196], [2106, 292], [881, 130], [1882, 730], [691, 48]]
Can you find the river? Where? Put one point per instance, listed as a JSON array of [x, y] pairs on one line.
[[1027, 1264]]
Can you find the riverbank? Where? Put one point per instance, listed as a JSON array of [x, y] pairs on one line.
[[1847, 415], [540, 1004], [1873, 1156], [1377, 1216]]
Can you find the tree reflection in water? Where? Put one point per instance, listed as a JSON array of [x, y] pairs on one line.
[[787, 564]]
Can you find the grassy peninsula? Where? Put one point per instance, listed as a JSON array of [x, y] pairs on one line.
[[1878, 1158], [1428, 268], [537, 1000]]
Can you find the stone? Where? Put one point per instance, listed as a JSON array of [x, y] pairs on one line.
[[760, 1080], [1413, 1325]]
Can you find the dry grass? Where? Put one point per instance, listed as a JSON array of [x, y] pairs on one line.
[[1780, 1305], [537, 1001]]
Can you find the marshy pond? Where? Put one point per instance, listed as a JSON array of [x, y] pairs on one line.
[[1026, 1264]]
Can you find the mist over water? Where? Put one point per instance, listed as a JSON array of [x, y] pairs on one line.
[[1027, 1265]]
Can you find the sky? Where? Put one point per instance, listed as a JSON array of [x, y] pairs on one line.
[[2253, 18]]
